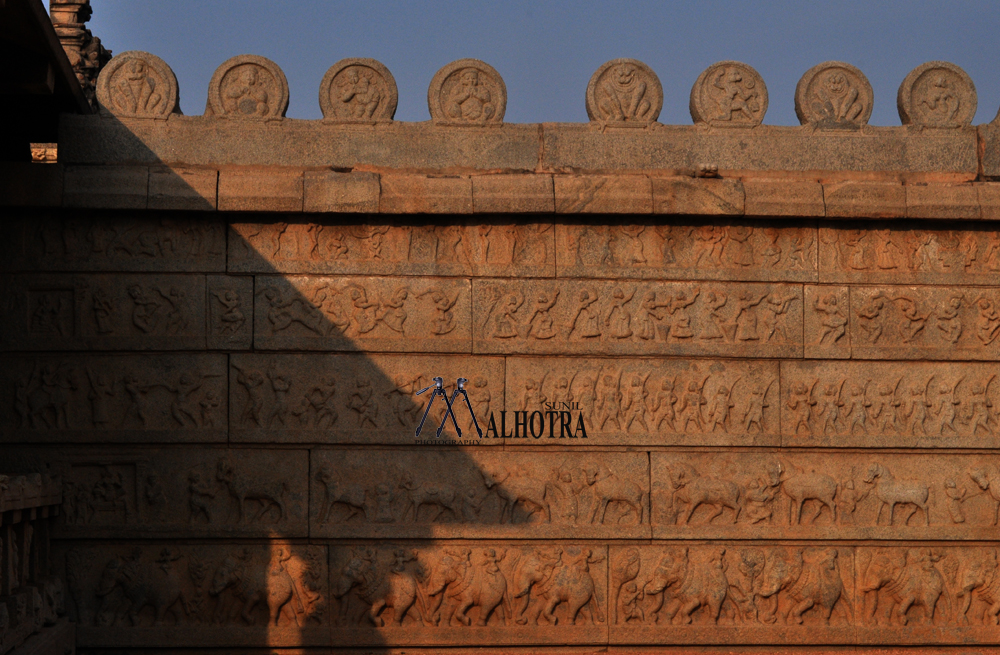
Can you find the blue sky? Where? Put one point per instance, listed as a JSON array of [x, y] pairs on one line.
[[547, 51]]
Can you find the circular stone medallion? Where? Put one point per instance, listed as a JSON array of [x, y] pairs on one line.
[[834, 94], [358, 90], [467, 92], [937, 94], [624, 91], [137, 84], [248, 86], [729, 93]]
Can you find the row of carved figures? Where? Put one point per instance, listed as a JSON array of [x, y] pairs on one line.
[[830, 95], [456, 586]]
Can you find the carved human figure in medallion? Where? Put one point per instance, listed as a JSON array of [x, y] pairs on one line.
[[248, 86], [937, 94], [624, 91], [729, 93], [834, 95], [137, 85], [358, 90], [467, 92]]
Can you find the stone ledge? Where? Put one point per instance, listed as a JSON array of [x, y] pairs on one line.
[[277, 190], [293, 189], [547, 147], [106, 187]]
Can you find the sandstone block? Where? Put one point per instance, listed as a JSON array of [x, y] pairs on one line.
[[328, 191], [783, 198], [686, 195], [580, 571], [228, 493], [116, 399], [453, 249], [93, 241], [936, 323], [864, 200], [989, 200], [906, 405], [710, 566], [595, 194], [106, 187], [183, 188], [230, 312], [375, 314], [597, 317], [530, 193], [31, 185], [299, 570], [105, 312], [472, 474], [357, 398], [686, 250], [942, 201], [275, 189], [893, 150], [853, 515], [893, 253], [652, 402], [421, 194]]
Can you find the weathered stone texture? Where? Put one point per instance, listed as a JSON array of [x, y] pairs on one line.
[[789, 401]]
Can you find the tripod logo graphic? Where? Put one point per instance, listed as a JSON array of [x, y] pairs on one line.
[[438, 387]]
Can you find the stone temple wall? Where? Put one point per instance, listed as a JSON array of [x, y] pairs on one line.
[[782, 343]]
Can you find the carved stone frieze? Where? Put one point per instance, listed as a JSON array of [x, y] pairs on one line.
[[923, 254], [834, 95], [624, 92], [358, 90], [729, 94], [131, 595], [248, 86], [743, 251], [230, 311], [817, 495], [890, 404], [137, 84], [937, 94], [619, 318], [356, 398], [102, 312], [732, 593], [94, 242], [115, 398], [111, 493], [467, 92], [652, 401], [389, 249], [362, 313], [889, 322], [427, 493], [474, 593]]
